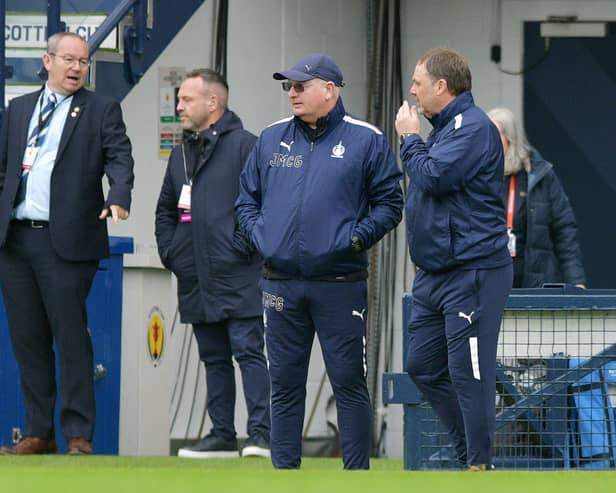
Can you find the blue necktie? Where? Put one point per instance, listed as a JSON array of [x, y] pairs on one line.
[[36, 139]]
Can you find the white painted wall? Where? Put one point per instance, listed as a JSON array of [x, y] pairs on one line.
[[269, 35], [469, 27]]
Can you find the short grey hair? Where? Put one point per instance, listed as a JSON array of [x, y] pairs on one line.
[[212, 78], [54, 40], [518, 155]]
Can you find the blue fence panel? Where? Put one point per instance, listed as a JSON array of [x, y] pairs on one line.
[[556, 385], [104, 306]]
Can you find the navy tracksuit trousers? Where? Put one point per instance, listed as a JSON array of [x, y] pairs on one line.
[[243, 339], [452, 343], [293, 311]]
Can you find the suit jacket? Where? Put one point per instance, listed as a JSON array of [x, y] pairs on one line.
[[93, 143]]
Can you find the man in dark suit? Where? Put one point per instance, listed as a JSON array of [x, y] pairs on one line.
[[55, 147]]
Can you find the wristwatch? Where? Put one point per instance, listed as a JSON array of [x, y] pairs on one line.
[[404, 136], [356, 245]]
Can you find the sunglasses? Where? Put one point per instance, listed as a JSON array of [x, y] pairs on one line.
[[297, 86]]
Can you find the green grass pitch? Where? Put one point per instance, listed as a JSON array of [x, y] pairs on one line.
[[107, 474]]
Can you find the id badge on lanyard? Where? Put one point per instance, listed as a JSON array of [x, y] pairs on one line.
[[184, 202], [29, 158], [510, 212]]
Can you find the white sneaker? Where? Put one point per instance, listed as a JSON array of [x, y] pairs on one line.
[[211, 447], [256, 446]]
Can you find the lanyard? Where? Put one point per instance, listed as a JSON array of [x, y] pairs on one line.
[[511, 202], [42, 122], [188, 180]]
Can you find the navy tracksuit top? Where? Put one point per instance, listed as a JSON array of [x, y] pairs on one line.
[[302, 201], [454, 211]]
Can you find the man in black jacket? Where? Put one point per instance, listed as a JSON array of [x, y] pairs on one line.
[[217, 274]]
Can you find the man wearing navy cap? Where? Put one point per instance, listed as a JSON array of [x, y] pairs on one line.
[[317, 191]]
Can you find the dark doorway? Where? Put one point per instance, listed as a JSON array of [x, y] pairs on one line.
[[570, 117]]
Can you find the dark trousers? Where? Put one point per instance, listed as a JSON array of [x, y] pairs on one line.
[[45, 300], [452, 343], [294, 310], [242, 339]]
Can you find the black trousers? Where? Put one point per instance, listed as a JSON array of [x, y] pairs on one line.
[[45, 300], [242, 339]]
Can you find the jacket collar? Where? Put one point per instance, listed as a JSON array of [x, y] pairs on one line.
[[458, 105], [201, 145], [227, 122], [539, 168], [325, 123]]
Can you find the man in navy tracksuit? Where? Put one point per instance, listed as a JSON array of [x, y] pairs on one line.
[[217, 276], [317, 191], [458, 240]]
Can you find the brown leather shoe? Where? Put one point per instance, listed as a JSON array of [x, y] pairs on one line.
[[78, 446], [31, 446]]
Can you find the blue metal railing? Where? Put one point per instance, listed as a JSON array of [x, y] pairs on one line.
[[53, 17], [114, 18]]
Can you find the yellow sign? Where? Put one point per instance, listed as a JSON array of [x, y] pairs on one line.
[[156, 335]]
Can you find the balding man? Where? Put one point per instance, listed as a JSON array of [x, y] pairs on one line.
[[56, 145], [199, 241]]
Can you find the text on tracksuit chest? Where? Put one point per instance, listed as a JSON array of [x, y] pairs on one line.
[[280, 160]]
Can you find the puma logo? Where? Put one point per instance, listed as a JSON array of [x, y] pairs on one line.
[[467, 317], [287, 146], [355, 313]]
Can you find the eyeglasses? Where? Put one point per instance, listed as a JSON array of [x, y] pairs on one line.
[[69, 60], [297, 86]]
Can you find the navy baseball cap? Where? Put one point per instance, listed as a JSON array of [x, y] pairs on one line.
[[314, 65]]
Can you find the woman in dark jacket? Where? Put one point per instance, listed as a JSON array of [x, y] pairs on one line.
[[540, 221]]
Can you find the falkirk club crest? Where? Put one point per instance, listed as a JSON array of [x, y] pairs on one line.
[[338, 151]]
